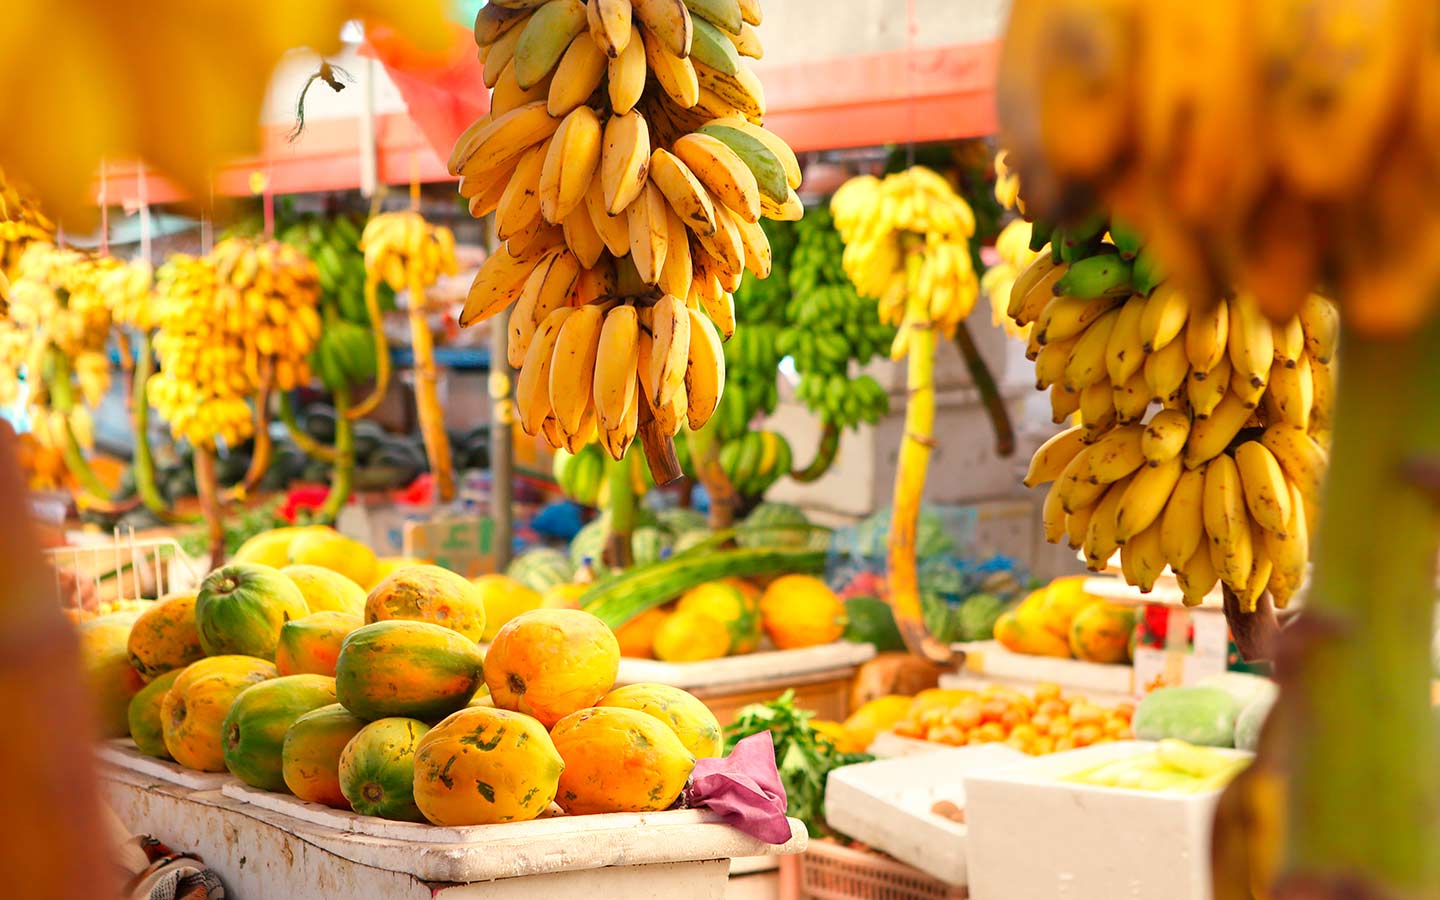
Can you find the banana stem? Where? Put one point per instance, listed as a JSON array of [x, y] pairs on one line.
[[209, 489], [343, 472], [427, 399], [824, 456], [311, 447], [144, 459], [618, 552], [904, 583], [1364, 795], [260, 452], [382, 350], [705, 456], [62, 398], [990, 397]]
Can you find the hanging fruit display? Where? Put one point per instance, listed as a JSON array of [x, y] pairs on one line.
[[907, 242], [626, 164], [21, 225], [407, 253]]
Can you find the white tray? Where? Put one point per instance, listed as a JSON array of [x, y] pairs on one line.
[[746, 668], [123, 754], [886, 804], [889, 745]]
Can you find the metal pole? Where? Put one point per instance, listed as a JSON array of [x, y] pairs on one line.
[[502, 455]]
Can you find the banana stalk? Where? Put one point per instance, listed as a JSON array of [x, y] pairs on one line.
[[209, 489], [95, 493], [1356, 725], [382, 351], [989, 393], [915, 447], [705, 457], [144, 460], [622, 513], [311, 447], [343, 472], [427, 400], [262, 448], [824, 456]]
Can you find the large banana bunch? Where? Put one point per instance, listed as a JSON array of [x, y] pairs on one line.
[[1248, 126], [1200, 424], [627, 168], [402, 246], [910, 219], [21, 224], [241, 317]]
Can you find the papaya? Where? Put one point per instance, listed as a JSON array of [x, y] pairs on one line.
[[637, 636], [377, 769], [684, 713], [548, 663], [332, 550], [691, 636], [1065, 598], [386, 566], [193, 713], [311, 644], [618, 760], [801, 611], [429, 594], [482, 765], [144, 715], [327, 590], [567, 596], [241, 608], [113, 681], [269, 548], [255, 727], [310, 754], [836, 734], [878, 715], [408, 669], [727, 602], [164, 637], [1021, 633], [504, 598], [1101, 633]]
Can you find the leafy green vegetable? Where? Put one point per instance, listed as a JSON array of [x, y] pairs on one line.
[[805, 757]]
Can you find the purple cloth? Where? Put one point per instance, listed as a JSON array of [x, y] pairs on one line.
[[744, 788]]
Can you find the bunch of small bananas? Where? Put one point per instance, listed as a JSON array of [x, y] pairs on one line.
[[231, 322], [623, 158], [21, 224], [1013, 245], [908, 236], [1220, 482], [402, 246], [1265, 146], [756, 460], [584, 477]]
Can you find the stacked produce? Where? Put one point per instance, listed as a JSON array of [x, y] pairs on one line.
[[1043, 721], [232, 323], [1221, 481], [628, 170], [296, 680]]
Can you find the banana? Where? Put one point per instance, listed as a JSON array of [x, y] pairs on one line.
[[712, 48], [626, 80], [1064, 403], [532, 385], [546, 37], [686, 195], [750, 11], [1116, 455], [1206, 390], [1145, 498], [1066, 317], [1206, 333], [792, 210], [677, 273], [1028, 279], [577, 76], [1102, 276], [722, 172], [1132, 399], [669, 21], [1292, 391], [715, 301], [615, 367], [726, 250], [509, 95], [1097, 407], [1289, 340], [676, 75], [742, 92], [747, 42], [1246, 389], [1267, 494], [613, 230], [1051, 458], [505, 138], [764, 164], [1198, 576], [535, 238], [582, 238], [1321, 324], [1181, 524], [500, 55], [1300, 457], [755, 242], [782, 151], [624, 162], [648, 224], [1261, 569], [497, 285], [1077, 524], [493, 21], [1226, 521], [610, 25], [1322, 388], [1052, 515], [1163, 320], [1165, 370], [1210, 436], [548, 288], [670, 349], [1124, 350], [1076, 489], [704, 371], [1288, 551], [572, 373], [724, 14], [570, 163], [1100, 542], [1251, 343], [1164, 436], [1141, 556], [1086, 364]]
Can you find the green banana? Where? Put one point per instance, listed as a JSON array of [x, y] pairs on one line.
[[1102, 275], [1148, 271], [1125, 238], [721, 13], [711, 47]]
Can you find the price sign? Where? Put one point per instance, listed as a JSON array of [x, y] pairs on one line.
[[464, 544]]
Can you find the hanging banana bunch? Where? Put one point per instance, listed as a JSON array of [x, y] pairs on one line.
[[907, 242], [21, 225], [627, 167], [408, 253]]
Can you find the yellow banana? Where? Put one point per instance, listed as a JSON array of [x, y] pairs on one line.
[[532, 385], [1076, 525], [1289, 340], [670, 353], [1145, 498], [675, 74], [1210, 436], [582, 238], [1251, 341], [1051, 457], [1064, 402], [1116, 455], [508, 94], [1198, 576], [791, 210], [677, 273], [704, 370], [505, 138], [617, 440], [624, 161], [1205, 390], [1065, 317], [500, 55], [1097, 407], [1076, 489], [1292, 391], [626, 81], [570, 164], [519, 206], [742, 91], [1260, 572], [615, 367], [1132, 398], [726, 250], [1181, 524], [1165, 370], [1321, 324], [1226, 521], [1289, 552], [1029, 277], [687, 196], [1164, 317], [747, 42], [1300, 457], [613, 230], [1086, 364], [576, 78], [1124, 350], [1051, 362], [722, 171], [1052, 515], [610, 25], [1206, 332], [1164, 436], [547, 289], [773, 142], [1246, 389], [1322, 387], [1267, 494], [648, 224], [669, 21], [1141, 558], [551, 29], [497, 285], [572, 373], [715, 302], [1100, 541], [755, 243]]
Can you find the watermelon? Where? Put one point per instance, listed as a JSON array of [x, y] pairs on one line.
[[541, 568], [649, 544], [678, 520], [871, 621]]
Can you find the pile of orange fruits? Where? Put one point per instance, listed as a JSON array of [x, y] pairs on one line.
[[1045, 721]]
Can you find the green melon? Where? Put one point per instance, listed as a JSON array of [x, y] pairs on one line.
[[146, 728], [242, 607], [541, 568], [377, 769]]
